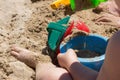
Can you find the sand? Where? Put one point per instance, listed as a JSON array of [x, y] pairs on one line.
[[24, 22]]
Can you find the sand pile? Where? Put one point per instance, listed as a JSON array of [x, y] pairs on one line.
[[24, 23]]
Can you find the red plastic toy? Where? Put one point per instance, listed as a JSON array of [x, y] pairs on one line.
[[79, 25]]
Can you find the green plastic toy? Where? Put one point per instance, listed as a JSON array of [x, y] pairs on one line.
[[72, 3], [56, 31], [94, 3]]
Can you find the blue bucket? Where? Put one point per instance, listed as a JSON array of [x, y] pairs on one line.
[[93, 42]]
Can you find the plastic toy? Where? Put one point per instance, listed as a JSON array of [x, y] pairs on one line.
[[72, 3], [56, 31], [94, 3], [81, 26], [59, 30], [58, 3], [88, 43]]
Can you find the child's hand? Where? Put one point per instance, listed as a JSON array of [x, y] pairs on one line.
[[65, 60]]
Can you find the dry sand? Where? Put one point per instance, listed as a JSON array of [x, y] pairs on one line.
[[24, 23]]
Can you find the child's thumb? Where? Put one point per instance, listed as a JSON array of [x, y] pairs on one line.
[[60, 55]]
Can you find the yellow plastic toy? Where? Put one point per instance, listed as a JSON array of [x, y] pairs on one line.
[[58, 3]]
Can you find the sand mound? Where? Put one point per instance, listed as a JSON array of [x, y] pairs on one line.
[[24, 23]]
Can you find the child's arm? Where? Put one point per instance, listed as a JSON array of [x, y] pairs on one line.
[[80, 72], [111, 67], [75, 68]]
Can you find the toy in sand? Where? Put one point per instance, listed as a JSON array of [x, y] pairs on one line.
[[89, 3]]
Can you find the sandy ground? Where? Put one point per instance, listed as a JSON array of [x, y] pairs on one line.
[[24, 23]]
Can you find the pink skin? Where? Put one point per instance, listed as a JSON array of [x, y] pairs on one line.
[[112, 17], [110, 68], [66, 60], [24, 56], [108, 19]]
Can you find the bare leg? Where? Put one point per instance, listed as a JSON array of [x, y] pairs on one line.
[[112, 15], [47, 71], [110, 7], [44, 71], [111, 66], [25, 56], [108, 19]]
